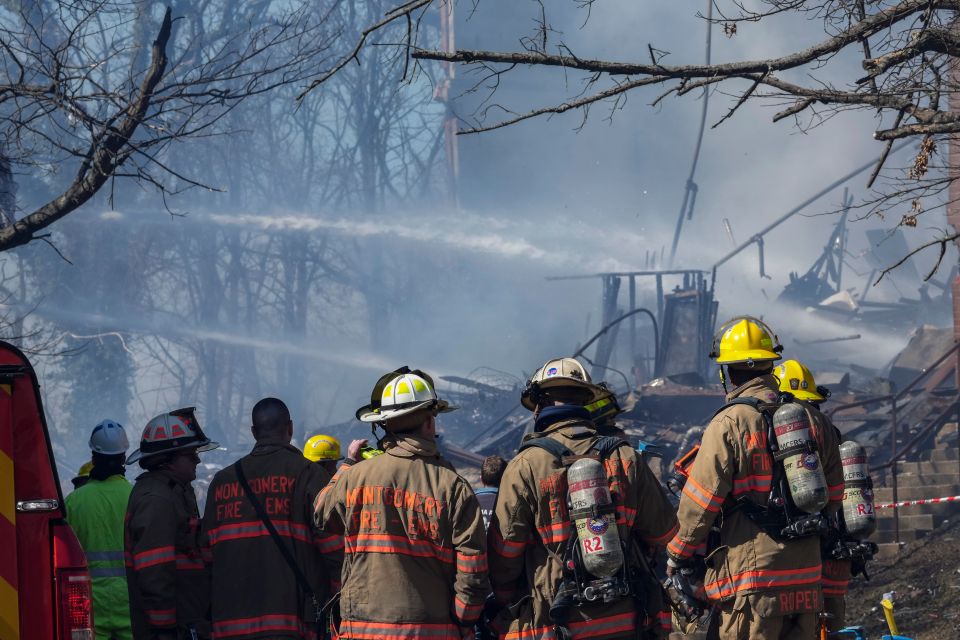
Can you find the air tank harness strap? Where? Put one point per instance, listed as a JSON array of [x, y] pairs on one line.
[[860, 483], [804, 447]]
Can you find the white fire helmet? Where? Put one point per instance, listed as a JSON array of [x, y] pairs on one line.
[[400, 393], [562, 379]]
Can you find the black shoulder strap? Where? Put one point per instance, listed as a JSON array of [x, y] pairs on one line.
[[605, 445], [284, 550], [554, 447], [752, 402]]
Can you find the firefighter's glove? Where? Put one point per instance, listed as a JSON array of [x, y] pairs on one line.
[[860, 556], [681, 578]]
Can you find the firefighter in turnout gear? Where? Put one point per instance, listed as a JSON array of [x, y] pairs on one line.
[[415, 561], [257, 592], [796, 379], [560, 570], [764, 567], [95, 512], [169, 585]]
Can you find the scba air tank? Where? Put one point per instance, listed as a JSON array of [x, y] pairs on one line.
[[808, 486], [858, 514], [597, 532]]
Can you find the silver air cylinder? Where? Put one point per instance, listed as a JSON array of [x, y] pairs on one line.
[[858, 514], [597, 533], [808, 486]]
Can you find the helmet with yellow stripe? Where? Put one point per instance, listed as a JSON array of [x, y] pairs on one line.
[[604, 406], [401, 393], [796, 379]]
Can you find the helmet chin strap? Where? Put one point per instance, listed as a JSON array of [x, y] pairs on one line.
[[723, 380]]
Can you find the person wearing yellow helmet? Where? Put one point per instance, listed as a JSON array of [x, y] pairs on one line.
[[83, 474], [765, 582], [795, 378], [324, 450]]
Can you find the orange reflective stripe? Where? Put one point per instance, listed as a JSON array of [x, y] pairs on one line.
[[628, 516], [665, 620], [835, 492], [660, 540], [762, 579], [472, 563], [555, 532], [328, 544], [384, 543], [466, 613], [261, 624], [161, 617], [186, 563], [152, 557], [595, 628], [680, 548], [756, 482], [363, 630], [507, 548], [699, 494]]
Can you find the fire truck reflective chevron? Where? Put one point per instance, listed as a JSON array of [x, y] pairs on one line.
[[44, 582], [9, 599]]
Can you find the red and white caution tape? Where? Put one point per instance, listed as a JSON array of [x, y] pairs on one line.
[[910, 503]]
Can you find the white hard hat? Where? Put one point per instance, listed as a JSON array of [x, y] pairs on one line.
[[560, 377], [400, 393], [109, 438]]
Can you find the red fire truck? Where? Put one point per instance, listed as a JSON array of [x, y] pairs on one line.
[[44, 583]]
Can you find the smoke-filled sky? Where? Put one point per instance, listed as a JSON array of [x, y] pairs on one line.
[[547, 198]]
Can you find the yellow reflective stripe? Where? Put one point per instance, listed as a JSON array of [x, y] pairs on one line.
[[9, 612], [8, 508], [599, 404]]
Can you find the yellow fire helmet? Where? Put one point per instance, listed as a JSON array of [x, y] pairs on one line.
[[399, 393], [795, 378], [745, 340], [322, 447], [563, 379], [604, 404], [85, 469]]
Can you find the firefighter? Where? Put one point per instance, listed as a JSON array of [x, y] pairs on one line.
[[796, 379], [491, 472], [539, 582], [325, 451], [168, 583], [764, 570], [415, 563], [256, 590], [95, 512], [604, 409]]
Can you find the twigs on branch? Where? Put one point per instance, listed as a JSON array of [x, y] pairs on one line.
[[106, 152], [401, 11]]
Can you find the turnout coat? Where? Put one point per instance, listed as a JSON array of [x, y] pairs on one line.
[[530, 529], [734, 460], [415, 561], [168, 584], [255, 592]]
